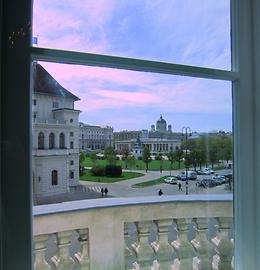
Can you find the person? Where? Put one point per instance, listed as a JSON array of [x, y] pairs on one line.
[[180, 188], [106, 191], [160, 193], [102, 192]]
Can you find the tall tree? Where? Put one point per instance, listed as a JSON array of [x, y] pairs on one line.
[[171, 157], [130, 161], [160, 158], [93, 157], [146, 157], [194, 157], [110, 155], [179, 155], [81, 158], [125, 154]]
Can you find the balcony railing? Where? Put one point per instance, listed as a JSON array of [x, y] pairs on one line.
[[167, 232], [54, 151], [49, 121]]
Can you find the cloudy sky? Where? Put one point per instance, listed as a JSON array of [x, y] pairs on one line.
[[194, 32]]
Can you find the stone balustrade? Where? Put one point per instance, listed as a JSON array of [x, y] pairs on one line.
[[167, 232], [49, 121]]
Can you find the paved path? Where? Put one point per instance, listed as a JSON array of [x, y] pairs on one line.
[[92, 190], [125, 189]]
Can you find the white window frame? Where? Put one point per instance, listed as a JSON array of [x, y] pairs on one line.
[[16, 203]]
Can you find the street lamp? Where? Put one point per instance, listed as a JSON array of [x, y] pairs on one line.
[[186, 131]]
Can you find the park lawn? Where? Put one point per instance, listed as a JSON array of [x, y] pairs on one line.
[[154, 165], [150, 183], [105, 179]]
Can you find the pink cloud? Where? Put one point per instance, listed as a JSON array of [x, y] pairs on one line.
[[68, 73], [70, 25], [105, 88]]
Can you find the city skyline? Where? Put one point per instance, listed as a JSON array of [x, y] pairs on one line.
[[134, 100]]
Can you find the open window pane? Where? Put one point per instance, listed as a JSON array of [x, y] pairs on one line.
[[193, 32], [151, 164], [115, 116]]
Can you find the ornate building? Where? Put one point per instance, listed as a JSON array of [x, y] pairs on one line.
[[95, 137], [55, 149], [160, 139], [162, 131]]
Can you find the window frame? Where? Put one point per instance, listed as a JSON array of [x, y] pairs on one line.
[[16, 208]]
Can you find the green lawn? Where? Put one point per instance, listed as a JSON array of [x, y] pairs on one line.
[[154, 165], [150, 183], [105, 179]]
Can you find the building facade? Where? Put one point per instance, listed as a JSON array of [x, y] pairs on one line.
[[55, 139], [160, 139], [154, 145], [95, 137]]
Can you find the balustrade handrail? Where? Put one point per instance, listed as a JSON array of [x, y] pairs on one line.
[[100, 224], [138, 208]]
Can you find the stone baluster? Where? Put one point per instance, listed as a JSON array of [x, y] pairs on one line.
[[203, 248], [182, 246], [130, 256], [223, 244], [39, 252], [144, 252], [83, 255], [163, 250], [63, 260]]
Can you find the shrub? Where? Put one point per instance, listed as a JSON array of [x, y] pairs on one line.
[[113, 170], [140, 158], [98, 170]]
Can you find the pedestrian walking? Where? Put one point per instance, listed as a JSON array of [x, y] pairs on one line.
[[106, 191], [180, 188], [160, 193], [102, 192]]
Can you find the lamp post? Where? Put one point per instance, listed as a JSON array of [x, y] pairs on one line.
[[186, 131]]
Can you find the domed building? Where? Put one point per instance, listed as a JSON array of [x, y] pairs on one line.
[[161, 130], [160, 139], [161, 125]]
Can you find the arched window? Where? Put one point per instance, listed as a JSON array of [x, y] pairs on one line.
[[62, 140], [51, 140], [54, 178], [41, 140]]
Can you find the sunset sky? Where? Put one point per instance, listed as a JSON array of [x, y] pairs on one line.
[[195, 32]]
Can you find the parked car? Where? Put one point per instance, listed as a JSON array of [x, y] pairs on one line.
[[219, 179], [191, 175], [171, 180], [207, 182], [205, 171]]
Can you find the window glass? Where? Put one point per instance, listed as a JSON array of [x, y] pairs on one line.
[[193, 32], [151, 137], [139, 121], [55, 104], [71, 145]]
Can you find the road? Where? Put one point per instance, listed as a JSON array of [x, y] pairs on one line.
[[125, 189]]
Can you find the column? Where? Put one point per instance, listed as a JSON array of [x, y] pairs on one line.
[[202, 246], [63, 260], [182, 246], [163, 250], [83, 255], [223, 244], [39, 252]]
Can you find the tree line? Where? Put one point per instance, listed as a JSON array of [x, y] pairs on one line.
[[202, 151]]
